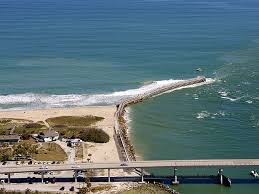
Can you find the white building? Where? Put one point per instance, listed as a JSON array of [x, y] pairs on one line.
[[74, 142], [48, 136]]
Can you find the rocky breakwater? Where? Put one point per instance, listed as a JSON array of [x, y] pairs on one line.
[[125, 147]]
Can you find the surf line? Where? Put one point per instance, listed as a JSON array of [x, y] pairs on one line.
[[124, 145]]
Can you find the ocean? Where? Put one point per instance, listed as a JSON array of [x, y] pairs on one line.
[[68, 53]]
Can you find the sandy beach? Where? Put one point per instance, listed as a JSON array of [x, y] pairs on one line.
[[106, 152]]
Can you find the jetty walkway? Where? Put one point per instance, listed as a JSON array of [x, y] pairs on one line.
[[121, 136]]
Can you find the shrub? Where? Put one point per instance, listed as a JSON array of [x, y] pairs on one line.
[[94, 135], [33, 125], [79, 121], [6, 154]]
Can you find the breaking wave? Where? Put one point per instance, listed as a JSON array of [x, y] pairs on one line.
[[206, 114], [31, 100]]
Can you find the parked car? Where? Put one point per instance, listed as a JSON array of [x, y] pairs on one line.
[[4, 163], [124, 164]]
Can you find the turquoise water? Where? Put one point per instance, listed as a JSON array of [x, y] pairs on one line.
[[74, 53]]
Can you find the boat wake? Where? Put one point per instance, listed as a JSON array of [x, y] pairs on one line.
[[34, 101]]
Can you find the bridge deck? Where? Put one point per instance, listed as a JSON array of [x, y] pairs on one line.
[[137, 164]]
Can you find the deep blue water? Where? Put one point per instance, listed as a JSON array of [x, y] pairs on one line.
[[57, 53]]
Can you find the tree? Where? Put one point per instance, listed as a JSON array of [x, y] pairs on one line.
[[27, 191], [83, 190], [88, 183], [6, 154], [25, 149]]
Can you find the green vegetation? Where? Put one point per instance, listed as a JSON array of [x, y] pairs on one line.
[[22, 149], [5, 129], [100, 188], [6, 153], [28, 149], [79, 127], [147, 189], [94, 135], [25, 149], [50, 152], [29, 128], [5, 126], [86, 134], [73, 121], [22, 127]]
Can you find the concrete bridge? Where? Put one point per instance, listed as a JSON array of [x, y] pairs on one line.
[[174, 164]]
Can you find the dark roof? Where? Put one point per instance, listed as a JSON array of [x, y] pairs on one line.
[[9, 137]]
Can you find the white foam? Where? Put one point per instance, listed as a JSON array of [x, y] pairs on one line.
[[202, 115], [206, 114], [231, 99], [223, 93], [30, 100]]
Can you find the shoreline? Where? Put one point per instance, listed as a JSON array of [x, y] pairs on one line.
[[101, 152], [116, 122], [128, 120]]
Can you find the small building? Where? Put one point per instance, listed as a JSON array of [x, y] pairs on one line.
[[74, 142], [9, 139], [48, 136]]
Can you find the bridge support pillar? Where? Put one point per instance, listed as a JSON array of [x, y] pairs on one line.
[[220, 176], [109, 175], [76, 174], [142, 175], [42, 177], [9, 178], [175, 181]]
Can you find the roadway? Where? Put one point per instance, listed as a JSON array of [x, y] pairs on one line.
[[128, 165]]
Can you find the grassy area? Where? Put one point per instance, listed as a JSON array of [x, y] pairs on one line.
[[73, 121], [5, 128], [22, 127], [146, 189], [50, 152], [30, 128], [68, 132], [7, 124]]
